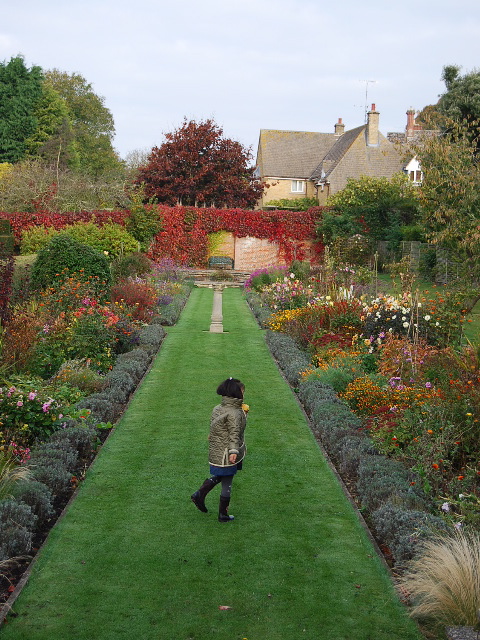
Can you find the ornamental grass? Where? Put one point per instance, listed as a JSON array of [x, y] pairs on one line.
[[444, 581]]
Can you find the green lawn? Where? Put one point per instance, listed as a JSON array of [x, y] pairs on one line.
[[134, 559]]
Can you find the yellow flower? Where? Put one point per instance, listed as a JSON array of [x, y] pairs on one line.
[[245, 407]]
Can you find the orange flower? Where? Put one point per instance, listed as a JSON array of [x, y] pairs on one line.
[[435, 465]]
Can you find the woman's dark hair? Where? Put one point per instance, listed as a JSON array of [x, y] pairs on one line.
[[232, 388]]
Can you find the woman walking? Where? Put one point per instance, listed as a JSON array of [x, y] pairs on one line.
[[226, 446]]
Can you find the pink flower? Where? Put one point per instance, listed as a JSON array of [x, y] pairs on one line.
[[46, 407], [20, 403], [32, 395]]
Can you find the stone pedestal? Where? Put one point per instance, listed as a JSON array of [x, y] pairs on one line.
[[216, 325]]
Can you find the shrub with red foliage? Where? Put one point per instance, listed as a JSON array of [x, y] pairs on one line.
[[138, 295]]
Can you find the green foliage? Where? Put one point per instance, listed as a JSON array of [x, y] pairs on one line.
[[294, 204], [461, 101], [26, 416], [20, 92], [78, 373], [374, 207], [144, 221], [63, 252], [132, 265], [450, 194], [53, 140], [92, 123], [111, 239]]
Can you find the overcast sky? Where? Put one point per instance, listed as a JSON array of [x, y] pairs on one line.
[[248, 64]]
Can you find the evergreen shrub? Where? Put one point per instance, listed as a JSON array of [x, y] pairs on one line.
[[130, 266], [64, 253], [382, 479], [38, 497], [403, 531], [17, 523], [111, 239], [59, 451], [82, 439], [290, 358], [102, 409]]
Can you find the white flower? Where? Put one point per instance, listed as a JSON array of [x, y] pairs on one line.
[[292, 275], [437, 324], [458, 526], [405, 325], [393, 317], [403, 318], [445, 507], [427, 318], [461, 496], [419, 305]]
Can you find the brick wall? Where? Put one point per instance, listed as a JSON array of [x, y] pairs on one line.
[[250, 253]]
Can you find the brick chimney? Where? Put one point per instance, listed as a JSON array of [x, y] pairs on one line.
[[410, 123], [339, 128], [373, 139]]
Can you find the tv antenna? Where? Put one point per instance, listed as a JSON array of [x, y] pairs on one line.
[[367, 82]]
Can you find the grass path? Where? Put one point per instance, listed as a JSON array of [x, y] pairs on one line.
[[134, 559]]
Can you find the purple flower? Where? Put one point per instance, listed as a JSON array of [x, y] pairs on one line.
[[46, 407], [428, 385]]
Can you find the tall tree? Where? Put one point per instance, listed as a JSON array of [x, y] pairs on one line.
[[53, 140], [450, 192], [197, 166], [20, 92], [92, 122], [377, 208]]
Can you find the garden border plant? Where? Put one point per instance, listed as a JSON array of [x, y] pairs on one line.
[[59, 463], [395, 507]]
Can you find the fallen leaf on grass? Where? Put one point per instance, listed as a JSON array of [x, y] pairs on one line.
[[224, 607]]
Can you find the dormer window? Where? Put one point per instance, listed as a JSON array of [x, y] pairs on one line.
[[414, 172], [298, 186], [416, 176]]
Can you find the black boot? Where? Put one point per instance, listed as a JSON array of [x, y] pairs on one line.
[[198, 498], [223, 510]]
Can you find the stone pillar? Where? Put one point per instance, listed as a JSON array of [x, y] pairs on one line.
[[216, 325]]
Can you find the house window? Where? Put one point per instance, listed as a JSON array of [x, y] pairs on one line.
[[298, 186], [416, 177]]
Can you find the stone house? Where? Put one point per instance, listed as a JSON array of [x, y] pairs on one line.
[[308, 164]]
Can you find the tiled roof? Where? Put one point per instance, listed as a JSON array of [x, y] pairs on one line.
[[336, 152], [292, 154]]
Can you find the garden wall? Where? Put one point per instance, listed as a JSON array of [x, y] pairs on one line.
[[249, 253]]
